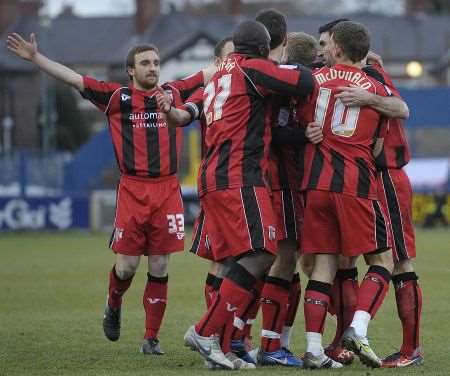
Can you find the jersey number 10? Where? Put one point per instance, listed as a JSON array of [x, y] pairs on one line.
[[340, 126]]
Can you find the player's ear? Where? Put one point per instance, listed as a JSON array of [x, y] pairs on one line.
[[264, 50], [337, 51], [130, 72]]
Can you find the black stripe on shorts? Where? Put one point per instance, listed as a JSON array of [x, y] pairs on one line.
[[253, 217], [289, 214], [395, 216], [380, 227], [198, 235]]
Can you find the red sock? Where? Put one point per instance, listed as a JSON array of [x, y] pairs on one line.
[[274, 301], [225, 337], [209, 288], [230, 298], [215, 289], [344, 295], [234, 328], [117, 288], [253, 310], [293, 300], [408, 295], [373, 290], [317, 298], [241, 323], [155, 301]]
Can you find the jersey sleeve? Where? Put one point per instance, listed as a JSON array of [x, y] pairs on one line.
[[380, 88], [98, 92], [188, 85], [378, 73], [383, 127], [194, 104], [289, 80]]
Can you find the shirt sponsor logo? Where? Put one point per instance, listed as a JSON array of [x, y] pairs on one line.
[[148, 120]]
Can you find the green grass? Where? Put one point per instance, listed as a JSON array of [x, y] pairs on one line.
[[53, 290]]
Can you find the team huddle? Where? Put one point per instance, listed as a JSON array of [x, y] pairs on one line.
[[302, 154]]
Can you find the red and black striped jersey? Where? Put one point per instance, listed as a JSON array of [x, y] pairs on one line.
[[143, 143], [188, 85], [284, 160], [343, 161], [396, 152], [235, 106]]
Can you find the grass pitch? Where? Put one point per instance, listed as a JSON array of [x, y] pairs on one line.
[[53, 290]]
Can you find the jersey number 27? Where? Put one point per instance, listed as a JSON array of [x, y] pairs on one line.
[[215, 97]]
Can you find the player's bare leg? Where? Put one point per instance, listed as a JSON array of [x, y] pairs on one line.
[[274, 303], [371, 294], [317, 299], [155, 302], [408, 295], [290, 265], [307, 262], [120, 279]]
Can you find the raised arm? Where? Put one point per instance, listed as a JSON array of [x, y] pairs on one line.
[[28, 50], [287, 80], [392, 107]]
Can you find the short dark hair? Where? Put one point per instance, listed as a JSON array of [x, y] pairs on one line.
[[137, 50], [251, 38], [353, 38], [328, 26], [220, 45], [301, 48], [275, 23]]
